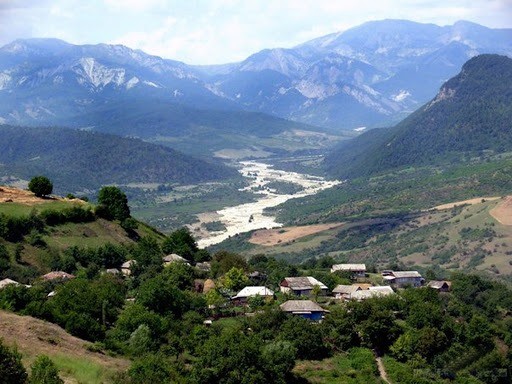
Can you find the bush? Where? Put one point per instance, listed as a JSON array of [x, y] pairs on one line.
[[41, 186], [11, 369], [44, 371]]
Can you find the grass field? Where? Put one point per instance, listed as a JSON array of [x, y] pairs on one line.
[[358, 366]]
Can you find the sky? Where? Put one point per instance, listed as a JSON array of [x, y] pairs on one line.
[[223, 31]]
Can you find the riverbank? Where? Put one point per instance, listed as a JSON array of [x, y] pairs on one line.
[[250, 216]]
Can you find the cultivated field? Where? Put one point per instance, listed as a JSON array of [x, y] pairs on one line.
[[270, 237]]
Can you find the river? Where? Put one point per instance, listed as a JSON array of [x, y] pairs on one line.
[[247, 217]]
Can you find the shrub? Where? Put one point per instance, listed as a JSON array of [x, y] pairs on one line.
[[44, 371]]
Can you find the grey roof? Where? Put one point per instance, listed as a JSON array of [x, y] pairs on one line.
[[303, 283], [6, 282], [345, 289], [254, 291], [372, 292], [173, 257], [404, 274], [348, 267], [128, 264], [437, 284], [301, 306]]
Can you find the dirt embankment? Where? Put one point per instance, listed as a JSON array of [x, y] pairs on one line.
[[269, 237]]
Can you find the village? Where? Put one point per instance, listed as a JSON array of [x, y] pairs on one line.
[[304, 296]]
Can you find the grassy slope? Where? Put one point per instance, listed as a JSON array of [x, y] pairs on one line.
[[76, 363], [466, 238], [60, 237]]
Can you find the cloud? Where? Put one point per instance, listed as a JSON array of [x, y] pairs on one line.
[[217, 31]]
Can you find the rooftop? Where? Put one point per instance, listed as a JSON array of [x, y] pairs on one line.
[[301, 306], [348, 267], [254, 291]]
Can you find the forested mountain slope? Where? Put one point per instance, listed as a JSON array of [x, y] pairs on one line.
[[472, 113], [78, 160]]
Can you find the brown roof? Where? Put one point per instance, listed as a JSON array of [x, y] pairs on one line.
[[301, 306], [345, 289], [302, 283]]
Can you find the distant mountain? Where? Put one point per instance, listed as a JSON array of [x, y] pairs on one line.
[[77, 160], [371, 75], [366, 76], [470, 115], [114, 89]]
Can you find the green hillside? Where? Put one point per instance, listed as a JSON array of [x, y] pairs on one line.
[[469, 117], [78, 160], [204, 132]]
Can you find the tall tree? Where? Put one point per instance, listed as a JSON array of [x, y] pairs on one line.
[[41, 186], [113, 204]]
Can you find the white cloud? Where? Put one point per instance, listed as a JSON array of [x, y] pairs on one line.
[[217, 31]]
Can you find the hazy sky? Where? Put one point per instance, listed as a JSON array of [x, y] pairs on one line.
[[221, 31]]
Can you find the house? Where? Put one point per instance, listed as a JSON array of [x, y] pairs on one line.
[[440, 285], [357, 270], [57, 275], [174, 258], [301, 285], [344, 291], [400, 279], [252, 291], [113, 271], [5, 282], [304, 308], [126, 267], [372, 292]]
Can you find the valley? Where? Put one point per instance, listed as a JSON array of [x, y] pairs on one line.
[[215, 212]]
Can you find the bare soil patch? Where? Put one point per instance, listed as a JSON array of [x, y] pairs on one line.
[[270, 237], [463, 202], [21, 196], [34, 337], [503, 211]]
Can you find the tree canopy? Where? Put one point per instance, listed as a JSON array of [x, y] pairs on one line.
[[41, 186]]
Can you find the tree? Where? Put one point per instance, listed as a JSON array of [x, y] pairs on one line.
[[182, 243], [235, 279], [44, 371], [41, 186], [113, 204], [11, 368]]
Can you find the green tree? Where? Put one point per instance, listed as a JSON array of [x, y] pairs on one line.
[[182, 243], [113, 204], [235, 279], [41, 186], [44, 371], [11, 368]]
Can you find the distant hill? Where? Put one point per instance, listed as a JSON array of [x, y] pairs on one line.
[[470, 115], [78, 160]]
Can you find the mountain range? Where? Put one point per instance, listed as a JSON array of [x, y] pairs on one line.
[[369, 75], [470, 117]]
